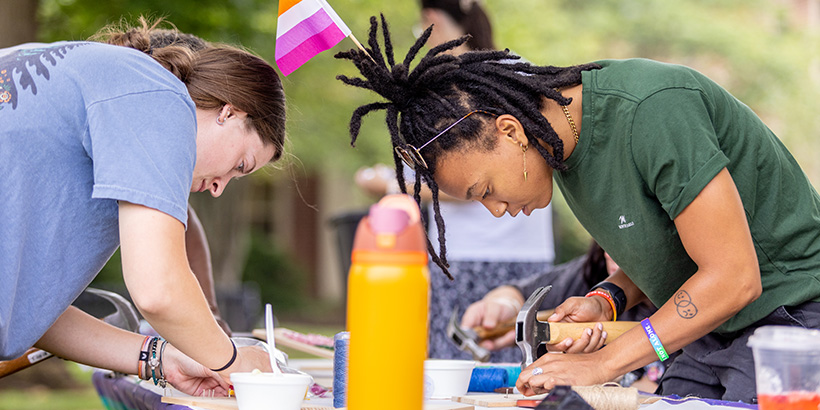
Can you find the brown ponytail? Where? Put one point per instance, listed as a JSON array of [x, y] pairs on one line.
[[215, 75], [177, 59]]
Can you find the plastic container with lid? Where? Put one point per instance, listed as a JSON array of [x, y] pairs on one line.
[[787, 367]]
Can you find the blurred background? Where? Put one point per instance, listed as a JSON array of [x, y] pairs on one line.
[[282, 236]]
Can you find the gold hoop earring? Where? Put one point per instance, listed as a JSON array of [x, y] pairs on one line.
[[524, 150]]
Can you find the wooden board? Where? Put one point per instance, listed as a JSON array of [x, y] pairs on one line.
[[495, 400], [282, 340], [229, 403], [210, 403], [224, 403]]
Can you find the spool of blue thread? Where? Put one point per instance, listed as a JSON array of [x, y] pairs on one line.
[[487, 379], [341, 346]]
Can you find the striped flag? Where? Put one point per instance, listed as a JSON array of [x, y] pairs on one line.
[[305, 28]]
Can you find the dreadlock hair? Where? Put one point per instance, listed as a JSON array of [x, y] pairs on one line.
[[443, 88]]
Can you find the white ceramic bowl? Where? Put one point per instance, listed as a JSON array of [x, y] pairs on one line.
[[269, 391], [444, 379]]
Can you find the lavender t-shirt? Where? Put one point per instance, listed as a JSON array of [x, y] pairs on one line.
[[82, 126]]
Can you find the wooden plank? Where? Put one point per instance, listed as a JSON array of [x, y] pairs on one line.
[[283, 340], [495, 400], [210, 403]]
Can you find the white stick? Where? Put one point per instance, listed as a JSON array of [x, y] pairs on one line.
[[271, 342]]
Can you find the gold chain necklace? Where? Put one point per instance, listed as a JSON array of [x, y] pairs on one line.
[[571, 123]]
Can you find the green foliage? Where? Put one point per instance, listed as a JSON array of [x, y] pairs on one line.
[[751, 47], [281, 280], [111, 273], [43, 399], [757, 49], [35, 388]]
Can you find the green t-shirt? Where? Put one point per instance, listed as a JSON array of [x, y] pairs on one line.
[[653, 135]]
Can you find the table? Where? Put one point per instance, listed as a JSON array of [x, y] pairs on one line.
[[131, 393]]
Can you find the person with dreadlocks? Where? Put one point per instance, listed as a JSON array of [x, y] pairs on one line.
[[705, 211], [479, 255]]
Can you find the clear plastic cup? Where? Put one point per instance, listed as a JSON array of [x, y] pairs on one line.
[[787, 367]]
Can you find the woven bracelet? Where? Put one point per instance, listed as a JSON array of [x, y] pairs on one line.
[[143, 358]]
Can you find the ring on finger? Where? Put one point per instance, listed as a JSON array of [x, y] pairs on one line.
[[537, 371]]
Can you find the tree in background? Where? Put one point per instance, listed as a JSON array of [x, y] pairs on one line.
[[18, 22]]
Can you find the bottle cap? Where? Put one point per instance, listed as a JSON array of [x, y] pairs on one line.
[[393, 225]]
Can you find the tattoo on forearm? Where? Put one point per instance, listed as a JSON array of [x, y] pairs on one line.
[[686, 308]]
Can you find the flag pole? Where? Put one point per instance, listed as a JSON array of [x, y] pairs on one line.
[[358, 44]]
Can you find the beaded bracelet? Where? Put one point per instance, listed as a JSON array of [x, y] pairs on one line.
[[230, 362], [152, 362], [654, 340], [608, 298]]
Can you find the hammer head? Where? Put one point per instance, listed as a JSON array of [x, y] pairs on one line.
[[466, 339], [529, 331]]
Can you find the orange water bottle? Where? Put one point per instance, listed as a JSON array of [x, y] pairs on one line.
[[387, 303]]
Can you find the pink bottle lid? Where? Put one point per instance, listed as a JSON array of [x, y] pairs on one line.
[[393, 225]]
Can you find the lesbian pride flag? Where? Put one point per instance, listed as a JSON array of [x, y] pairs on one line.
[[305, 28]]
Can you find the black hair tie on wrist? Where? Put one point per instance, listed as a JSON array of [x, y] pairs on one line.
[[229, 362]]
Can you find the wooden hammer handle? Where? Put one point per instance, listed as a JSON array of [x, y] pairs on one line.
[[30, 357], [503, 328], [561, 330]]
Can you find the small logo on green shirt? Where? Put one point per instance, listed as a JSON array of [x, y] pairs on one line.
[[623, 223]]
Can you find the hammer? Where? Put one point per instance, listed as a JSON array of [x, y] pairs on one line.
[[124, 317], [533, 335], [467, 339]]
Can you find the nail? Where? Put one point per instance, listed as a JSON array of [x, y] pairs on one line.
[[603, 335], [600, 326], [588, 331]]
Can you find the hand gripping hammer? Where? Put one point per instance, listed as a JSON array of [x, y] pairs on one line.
[[533, 335]]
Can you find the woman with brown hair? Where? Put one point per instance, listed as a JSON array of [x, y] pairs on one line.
[[101, 146]]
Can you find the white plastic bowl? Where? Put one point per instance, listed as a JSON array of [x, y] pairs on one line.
[[444, 379], [268, 391]]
